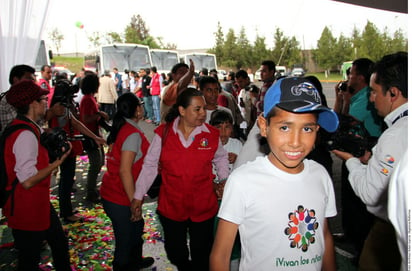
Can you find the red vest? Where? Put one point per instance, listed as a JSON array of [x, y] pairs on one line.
[[187, 178], [112, 187], [155, 90], [31, 211]]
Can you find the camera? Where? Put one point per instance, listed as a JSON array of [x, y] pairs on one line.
[[56, 143], [343, 86], [64, 93], [351, 137]]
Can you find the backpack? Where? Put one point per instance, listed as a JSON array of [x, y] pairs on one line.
[[4, 193]]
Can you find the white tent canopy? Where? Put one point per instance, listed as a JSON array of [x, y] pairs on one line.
[[22, 23]]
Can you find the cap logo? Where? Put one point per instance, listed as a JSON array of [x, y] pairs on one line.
[[307, 88]]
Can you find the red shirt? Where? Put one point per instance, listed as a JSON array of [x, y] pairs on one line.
[[88, 106]]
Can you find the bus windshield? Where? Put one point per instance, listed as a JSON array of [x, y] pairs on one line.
[[164, 60], [131, 57], [202, 61]]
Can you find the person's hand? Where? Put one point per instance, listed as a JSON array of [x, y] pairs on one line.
[[60, 160], [104, 115], [191, 66], [232, 157], [342, 155], [136, 209], [219, 187], [365, 158]]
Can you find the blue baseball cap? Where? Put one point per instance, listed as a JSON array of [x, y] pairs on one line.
[[298, 95]]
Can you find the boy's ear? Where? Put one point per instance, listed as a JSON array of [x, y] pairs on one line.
[[261, 122]]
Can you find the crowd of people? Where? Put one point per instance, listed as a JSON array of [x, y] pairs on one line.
[[246, 171]]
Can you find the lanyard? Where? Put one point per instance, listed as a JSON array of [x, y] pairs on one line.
[[403, 114]]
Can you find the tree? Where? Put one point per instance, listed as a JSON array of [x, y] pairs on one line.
[[325, 54], [229, 49], [286, 50], [56, 38], [137, 32], [260, 52], [343, 50], [113, 37], [219, 44], [94, 38], [244, 50], [372, 46]]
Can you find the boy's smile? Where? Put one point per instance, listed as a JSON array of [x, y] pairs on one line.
[[291, 138]]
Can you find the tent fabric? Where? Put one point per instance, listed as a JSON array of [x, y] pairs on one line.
[[21, 27]]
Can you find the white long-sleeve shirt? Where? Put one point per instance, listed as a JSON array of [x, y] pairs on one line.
[[370, 182]]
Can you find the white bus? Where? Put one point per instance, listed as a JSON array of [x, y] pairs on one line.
[[164, 60], [200, 60], [121, 56]]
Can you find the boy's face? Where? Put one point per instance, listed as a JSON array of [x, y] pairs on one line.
[[225, 131], [211, 93], [291, 138]]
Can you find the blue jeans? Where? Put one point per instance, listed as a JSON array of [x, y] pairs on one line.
[[156, 108], [96, 161], [128, 236], [148, 108]]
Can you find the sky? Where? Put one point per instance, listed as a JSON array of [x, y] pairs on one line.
[[191, 24]]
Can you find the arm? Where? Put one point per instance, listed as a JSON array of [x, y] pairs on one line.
[[25, 149], [221, 162], [146, 177], [329, 262], [186, 79], [125, 172], [84, 130], [223, 245]]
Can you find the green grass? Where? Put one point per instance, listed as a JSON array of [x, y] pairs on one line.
[[72, 63]]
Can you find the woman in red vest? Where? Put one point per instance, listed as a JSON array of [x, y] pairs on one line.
[[29, 212], [185, 148], [127, 149]]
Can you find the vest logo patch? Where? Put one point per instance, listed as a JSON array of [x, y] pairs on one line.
[[204, 142]]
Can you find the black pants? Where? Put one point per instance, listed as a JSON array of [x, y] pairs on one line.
[[67, 173], [201, 241], [356, 220], [29, 245]]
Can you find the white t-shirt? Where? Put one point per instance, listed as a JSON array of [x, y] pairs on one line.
[[273, 208]]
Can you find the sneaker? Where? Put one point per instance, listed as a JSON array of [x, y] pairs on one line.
[[146, 262]]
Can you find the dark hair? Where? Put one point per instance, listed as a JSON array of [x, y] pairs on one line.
[[19, 71], [364, 67], [270, 64], [154, 69], [147, 70], [318, 85], [242, 74], [126, 108], [184, 99], [204, 71], [43, 68], [89, 84], [178, 66], [219, 117], [232, 75], [204, 80], [392, 71]]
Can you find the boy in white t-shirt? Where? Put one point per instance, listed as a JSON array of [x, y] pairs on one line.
[[280, 203]]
